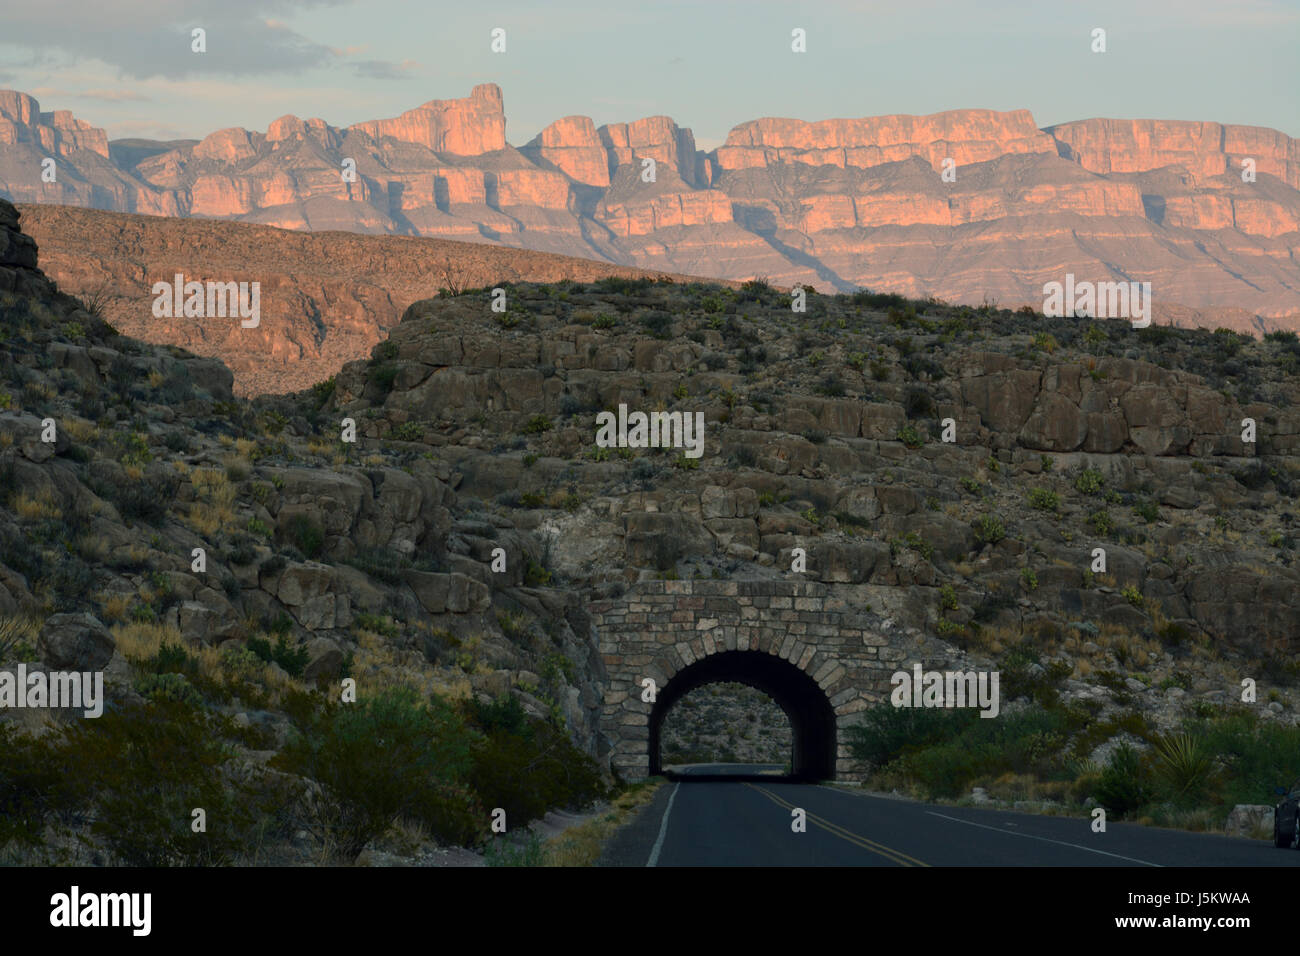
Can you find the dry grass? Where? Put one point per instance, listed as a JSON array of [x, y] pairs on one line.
[[380, 663], [92, 547], [582, 844], [138, 641], [80, 430], [36, 507], [113, 607], [214, 508]]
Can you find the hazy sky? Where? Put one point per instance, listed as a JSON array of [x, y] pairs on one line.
[[126, 64]]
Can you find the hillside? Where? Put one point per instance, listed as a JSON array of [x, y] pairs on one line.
[[837, 204], [326, 297], [376, 560]]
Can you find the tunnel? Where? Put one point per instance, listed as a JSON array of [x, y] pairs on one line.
[[812, 720]]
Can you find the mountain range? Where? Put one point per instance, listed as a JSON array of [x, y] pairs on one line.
[[836, 204]]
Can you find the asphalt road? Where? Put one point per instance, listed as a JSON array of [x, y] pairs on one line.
[[704, 819]]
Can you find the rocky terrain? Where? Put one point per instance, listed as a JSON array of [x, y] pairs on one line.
[[326, 297], [835, 204], [726, 723], [380, 559]]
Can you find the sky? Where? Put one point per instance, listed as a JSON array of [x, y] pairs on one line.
[[127, 65]]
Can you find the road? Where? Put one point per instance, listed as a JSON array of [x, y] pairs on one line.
[[705, 819]]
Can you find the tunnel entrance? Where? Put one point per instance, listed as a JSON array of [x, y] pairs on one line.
[[812, 719]]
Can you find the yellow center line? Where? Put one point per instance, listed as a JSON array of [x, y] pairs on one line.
[[889, 853]]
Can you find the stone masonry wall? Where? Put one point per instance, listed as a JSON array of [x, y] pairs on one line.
[[660, 627]]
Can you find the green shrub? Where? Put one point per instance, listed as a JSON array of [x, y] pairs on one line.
[[1147, 510], [989, 529], [1088, 481], [948, 597], [377, 760], [1124, 786], [292, 658], [528, 771], [407, 431], [1044, 499], [306, 535], [536, 425], [144, 769], [911, 436], [169, 687], [34, 787], [535, 575]]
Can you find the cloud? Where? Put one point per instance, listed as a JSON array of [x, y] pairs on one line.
[[148, 38], [107, 96], [383, 69]]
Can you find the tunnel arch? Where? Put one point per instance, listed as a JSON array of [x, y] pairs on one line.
[[811, 715]]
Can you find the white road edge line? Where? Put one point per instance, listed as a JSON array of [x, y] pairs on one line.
[[1030, 836], [663, 829]]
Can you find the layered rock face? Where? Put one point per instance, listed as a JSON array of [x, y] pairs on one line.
[[835, 204], [324, 299]]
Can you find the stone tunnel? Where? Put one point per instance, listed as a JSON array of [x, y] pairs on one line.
[[810, 647]]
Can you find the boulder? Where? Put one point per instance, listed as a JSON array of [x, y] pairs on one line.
[[324, 659], [78, 642]]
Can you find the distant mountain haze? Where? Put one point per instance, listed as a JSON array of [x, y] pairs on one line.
[[967, 205]]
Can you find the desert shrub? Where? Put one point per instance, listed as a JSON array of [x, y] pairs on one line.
[[382, 377], [657, 323], [911, 436], [886, 732], [145, 769], [293, 658], [917, 402], [407, 431], [1124, 786], [146, 498], [527, 769], [169, 687], [1089, 481], [1147, 510], [989, 529], [34, 787], [306, 535], [878, 300], [1044, 499], [377, 760], [969, 748]]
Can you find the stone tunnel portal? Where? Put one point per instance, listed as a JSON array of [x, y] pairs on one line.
[[812, 719]]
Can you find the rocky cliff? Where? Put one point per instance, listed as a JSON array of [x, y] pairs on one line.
[[326, 298], [949, 472], [836, 204]]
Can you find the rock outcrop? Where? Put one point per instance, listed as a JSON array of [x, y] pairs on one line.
[[834, 204]]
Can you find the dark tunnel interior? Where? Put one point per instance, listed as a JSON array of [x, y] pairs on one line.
[[812, 720]]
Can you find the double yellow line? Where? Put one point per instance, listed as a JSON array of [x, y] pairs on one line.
[[894, 856]]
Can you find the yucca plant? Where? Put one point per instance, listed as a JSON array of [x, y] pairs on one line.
[[1184, 764]]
